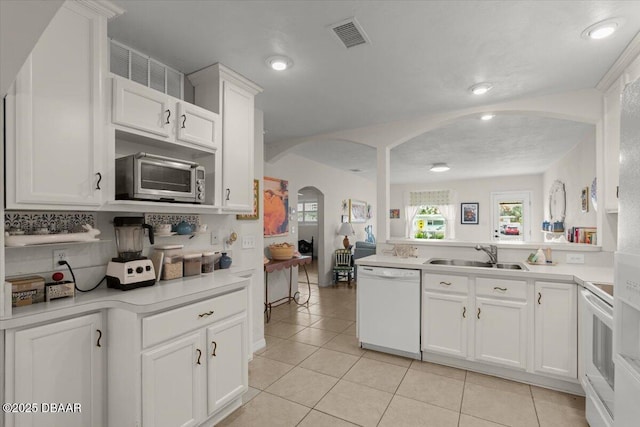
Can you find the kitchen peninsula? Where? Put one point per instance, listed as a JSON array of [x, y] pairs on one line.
[[516, 324]]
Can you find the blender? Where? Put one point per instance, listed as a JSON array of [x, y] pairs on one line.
[[130, 269]]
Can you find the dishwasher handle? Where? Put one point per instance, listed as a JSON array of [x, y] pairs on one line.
[[388, 273]]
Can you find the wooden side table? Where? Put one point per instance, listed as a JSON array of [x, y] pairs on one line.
[[276, 265]]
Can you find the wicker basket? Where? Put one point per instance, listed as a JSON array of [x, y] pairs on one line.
[[281, 252]]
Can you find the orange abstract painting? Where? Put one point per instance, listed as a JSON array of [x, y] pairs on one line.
[[276, 207]]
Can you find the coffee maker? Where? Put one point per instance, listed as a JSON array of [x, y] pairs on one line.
[[130, 269]]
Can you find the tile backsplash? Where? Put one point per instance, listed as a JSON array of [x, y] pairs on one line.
[[156, 219], [54, 222]]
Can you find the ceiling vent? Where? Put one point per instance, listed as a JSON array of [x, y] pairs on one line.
[[350, 32]]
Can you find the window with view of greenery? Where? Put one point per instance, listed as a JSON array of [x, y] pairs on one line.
[[429, 224], [308, 212]]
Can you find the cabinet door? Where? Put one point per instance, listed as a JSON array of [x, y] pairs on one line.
[[444, 323], [611, 128], [62, 362], [227, 357], [172, 386], [54, 119], [556, 329], [198, 126], [501, 332], [141, 108], [237, 148]]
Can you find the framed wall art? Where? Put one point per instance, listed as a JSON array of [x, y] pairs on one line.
[[256, 203], [357, 211], [394, 213], [584, 198], [469, 213], [276, 207]]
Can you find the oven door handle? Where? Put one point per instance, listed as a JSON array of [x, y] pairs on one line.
[[603, 311], [168, 159]]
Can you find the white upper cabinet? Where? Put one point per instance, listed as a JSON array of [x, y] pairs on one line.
[[221, 90], [147, 112], [55, 126], [197, 125], [141, 108]]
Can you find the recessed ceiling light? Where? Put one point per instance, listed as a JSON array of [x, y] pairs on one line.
[[439, 167], [600, 30], [279, 62], [480, 88], [486, 117]]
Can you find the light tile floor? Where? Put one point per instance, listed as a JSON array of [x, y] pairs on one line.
[[313, 373]]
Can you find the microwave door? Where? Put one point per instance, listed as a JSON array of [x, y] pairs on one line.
[[162, 180]]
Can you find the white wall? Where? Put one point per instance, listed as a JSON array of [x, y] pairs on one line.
[[477, 190], [336, 185], [576, 170]]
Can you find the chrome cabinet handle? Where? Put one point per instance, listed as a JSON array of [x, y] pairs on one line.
[[464, 312], [184, 120], [215, 345], [199, 356], [445, 283], [99, 338], [497, 288], [168, 116], [539, 296], [99, 179], [478, 312], [208, 313]]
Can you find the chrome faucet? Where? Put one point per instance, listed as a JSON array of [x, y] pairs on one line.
[[491, 250]]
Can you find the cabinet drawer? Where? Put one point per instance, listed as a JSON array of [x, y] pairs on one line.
[[172, 323], [446, 282], [512, 289]]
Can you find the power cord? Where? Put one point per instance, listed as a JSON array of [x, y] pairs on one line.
[[75, 283]]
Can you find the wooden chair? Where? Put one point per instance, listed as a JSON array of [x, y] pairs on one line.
[[342, 267]]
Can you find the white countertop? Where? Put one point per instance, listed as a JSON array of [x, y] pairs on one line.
[[164, 294], [578, 273]]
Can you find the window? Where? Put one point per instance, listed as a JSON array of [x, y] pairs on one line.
[[308, 212], [511, 216], [429, 223]]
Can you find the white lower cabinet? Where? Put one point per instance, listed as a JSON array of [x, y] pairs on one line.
[[227, 362], [444, 323], [501, 332], [172, 380], [556, 329], [188, 365], [61, 362]]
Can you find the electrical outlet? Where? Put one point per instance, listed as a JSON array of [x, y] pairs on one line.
[[575, 258], [248, 242], [59, 255], [215, 238]]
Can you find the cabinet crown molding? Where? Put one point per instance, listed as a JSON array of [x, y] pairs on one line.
[[214, 72], [103, 7]]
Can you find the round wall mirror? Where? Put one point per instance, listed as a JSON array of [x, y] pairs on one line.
[[557, 201]]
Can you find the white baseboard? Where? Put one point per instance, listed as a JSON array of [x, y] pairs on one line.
[[259, 345]]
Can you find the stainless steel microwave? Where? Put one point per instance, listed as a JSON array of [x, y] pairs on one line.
[[144, 176]]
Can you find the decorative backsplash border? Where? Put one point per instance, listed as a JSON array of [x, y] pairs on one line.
[[157, 219], [54, 222]]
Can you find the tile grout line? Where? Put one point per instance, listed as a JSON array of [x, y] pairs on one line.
[[535, 408], [464, 385]]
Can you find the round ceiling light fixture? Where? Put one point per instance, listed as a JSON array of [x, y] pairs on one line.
[[487, 117], [480, 88], [600, 30], [439, 167], [279, 62]]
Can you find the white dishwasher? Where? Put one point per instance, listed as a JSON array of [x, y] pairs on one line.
[[388, 308]]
